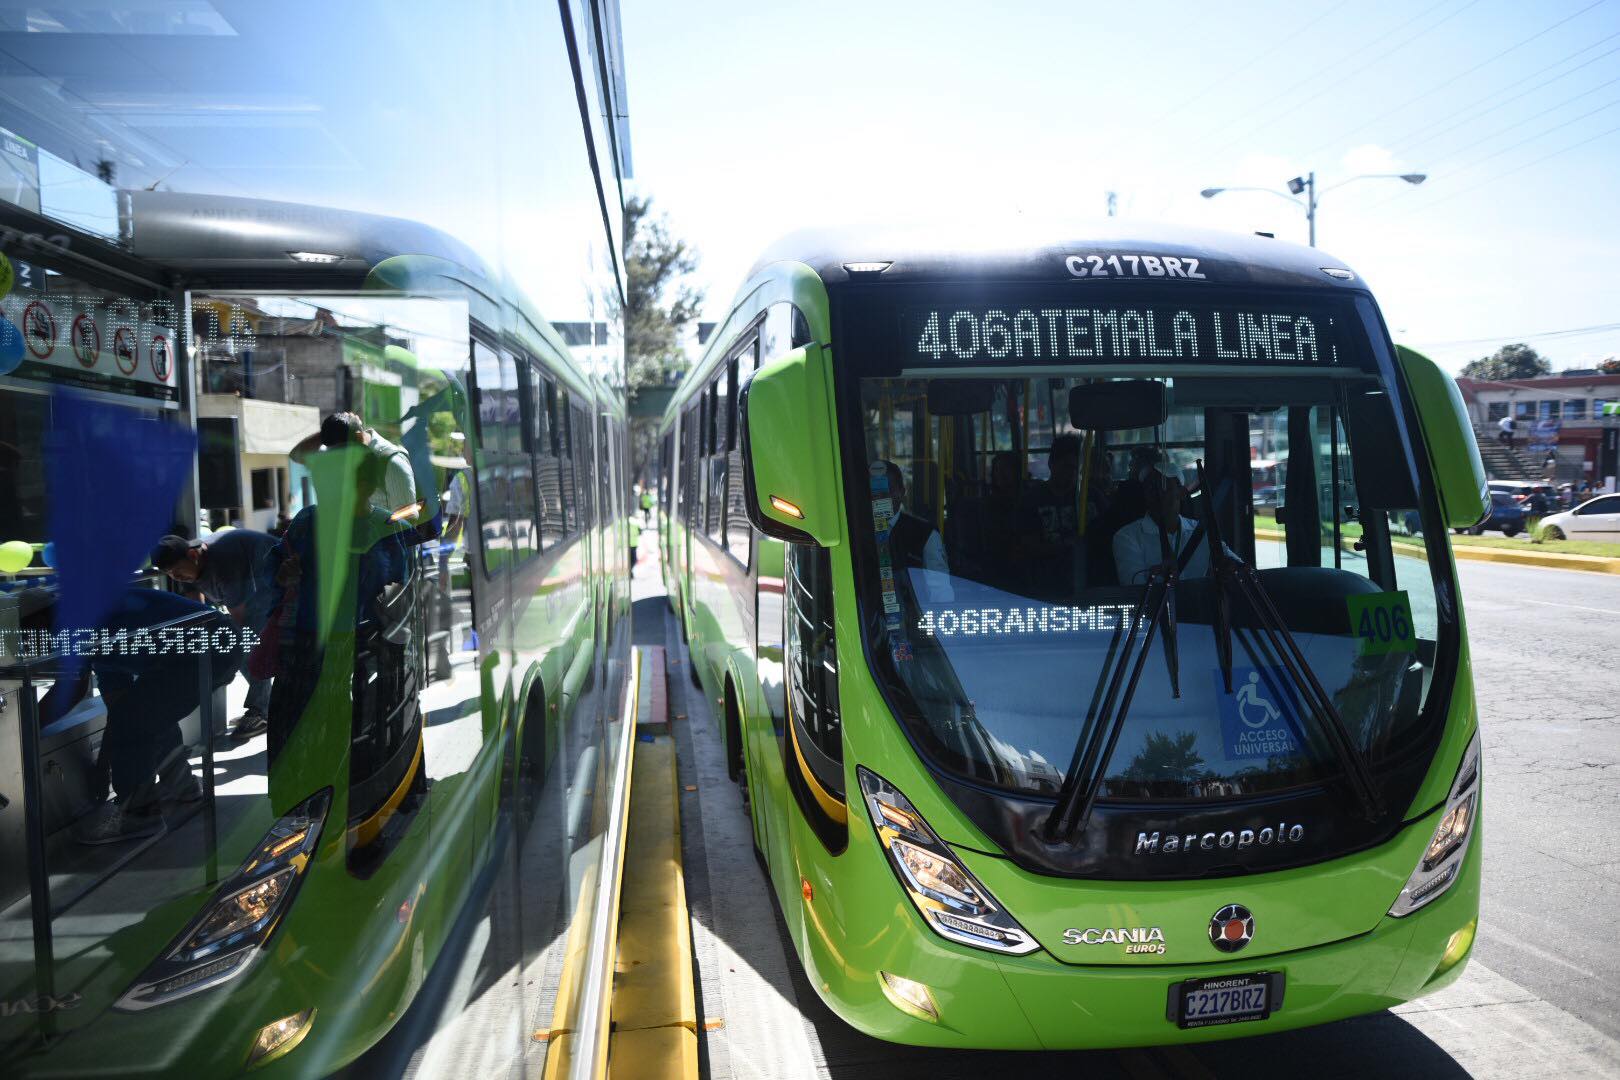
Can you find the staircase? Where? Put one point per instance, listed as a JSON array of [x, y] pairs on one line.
[[1500, 462]]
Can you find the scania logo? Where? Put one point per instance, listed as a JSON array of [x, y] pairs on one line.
[[1136, 939], [1152, 843], [44, 1003], [1231, 928]]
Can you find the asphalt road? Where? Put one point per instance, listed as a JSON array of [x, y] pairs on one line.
[[1539, 998]]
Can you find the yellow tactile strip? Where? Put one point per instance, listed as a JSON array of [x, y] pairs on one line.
[[654, 1005]]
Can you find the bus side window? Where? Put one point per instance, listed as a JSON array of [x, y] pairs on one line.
[[666, 462], [493, 379], [584, 456], [565, 463], [548, 476], [718, 397], [520, 467], [691, 459], [812, 663], [739, 534]]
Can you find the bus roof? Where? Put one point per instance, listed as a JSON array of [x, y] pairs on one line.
[[224, 239], [950, 252]]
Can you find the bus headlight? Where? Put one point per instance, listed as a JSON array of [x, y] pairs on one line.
[[220, 942], [1442, 860], [949, 898]]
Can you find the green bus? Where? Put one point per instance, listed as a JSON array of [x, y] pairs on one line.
[[446, 669], [1059, 725]]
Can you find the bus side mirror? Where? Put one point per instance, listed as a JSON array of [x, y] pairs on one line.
[[790, 460], [1459, 473]]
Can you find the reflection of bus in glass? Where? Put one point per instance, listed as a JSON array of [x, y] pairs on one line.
[[1050, 738], [439, 624]]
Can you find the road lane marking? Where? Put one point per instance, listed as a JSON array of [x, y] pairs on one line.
[[1493, 1027], [1550, 603], [1514, 942]]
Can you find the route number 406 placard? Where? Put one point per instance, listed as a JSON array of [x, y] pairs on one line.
[[1383, 622]]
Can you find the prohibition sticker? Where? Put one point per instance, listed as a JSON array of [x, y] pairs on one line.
[[1383, 622], [160, 357], [86, 340], [8, 276], [39, 330], [124, 351]]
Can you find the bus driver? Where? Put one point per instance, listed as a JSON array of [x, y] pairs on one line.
[[1138, 545]]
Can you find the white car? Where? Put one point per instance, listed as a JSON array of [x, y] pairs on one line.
[[1595, 519]]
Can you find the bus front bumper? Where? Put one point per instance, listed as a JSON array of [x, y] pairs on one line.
[[1035, 1002]]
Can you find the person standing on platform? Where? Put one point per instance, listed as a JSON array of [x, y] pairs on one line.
[[236, 569]]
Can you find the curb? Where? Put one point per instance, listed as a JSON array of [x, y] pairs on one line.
[[1553, 560], [1592, 564]]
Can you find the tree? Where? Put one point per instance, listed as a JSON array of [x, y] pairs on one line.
[[658, 304], [1609, 365], [1167, 757], [1518, 361]]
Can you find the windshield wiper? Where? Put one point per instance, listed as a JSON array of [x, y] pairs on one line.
[[1092, 753], [1233, 574], [1081, 785]]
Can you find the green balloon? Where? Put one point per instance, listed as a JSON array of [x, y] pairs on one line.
[[14, 555]]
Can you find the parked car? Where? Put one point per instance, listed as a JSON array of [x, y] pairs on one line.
[[1525, 492], [1507, 516], [1595, 519]]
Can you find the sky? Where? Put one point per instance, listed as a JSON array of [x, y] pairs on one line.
[[751, 120]]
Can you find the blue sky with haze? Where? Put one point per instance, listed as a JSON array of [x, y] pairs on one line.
[[750, 120]]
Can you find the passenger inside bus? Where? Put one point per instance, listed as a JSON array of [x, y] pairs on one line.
[[1048, 544], [914, 543]]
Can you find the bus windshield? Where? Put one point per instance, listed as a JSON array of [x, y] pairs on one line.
[[1017, 511]]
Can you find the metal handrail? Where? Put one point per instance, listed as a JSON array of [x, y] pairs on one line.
[[589, 1060]]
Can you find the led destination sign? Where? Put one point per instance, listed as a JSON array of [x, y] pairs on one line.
[[1169, 332]]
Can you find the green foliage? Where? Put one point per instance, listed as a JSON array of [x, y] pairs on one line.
[[1517, 361], [1167, 757], [658, 304]]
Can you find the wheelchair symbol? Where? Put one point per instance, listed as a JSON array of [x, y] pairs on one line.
[[1250, 702]]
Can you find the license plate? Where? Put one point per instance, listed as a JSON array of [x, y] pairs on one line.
[[1229, 999]]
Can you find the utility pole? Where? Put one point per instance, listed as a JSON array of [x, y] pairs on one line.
[[1306, 186], [1310, 205], [1112, 204]]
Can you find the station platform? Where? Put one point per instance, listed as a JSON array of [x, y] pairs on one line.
[[755, 1016]]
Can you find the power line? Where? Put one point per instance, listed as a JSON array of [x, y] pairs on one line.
[[1520, 168], [1535, 116], [1419, 134], [1575, 331], [1342, 60], [1521, 43], [1259, 59], [1339, 77]]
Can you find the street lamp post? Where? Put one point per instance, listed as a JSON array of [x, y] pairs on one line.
[[1306, 185]]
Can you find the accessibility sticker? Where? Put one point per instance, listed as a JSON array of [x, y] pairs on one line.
[[39, 330], [1383, 622], [85, 338], [1261, 715]]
